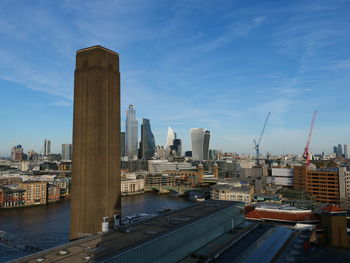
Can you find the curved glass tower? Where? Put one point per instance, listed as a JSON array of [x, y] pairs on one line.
[[131, 133], [148, 143], [200, 144]]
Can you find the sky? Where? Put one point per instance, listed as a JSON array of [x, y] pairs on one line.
[[221, 65]]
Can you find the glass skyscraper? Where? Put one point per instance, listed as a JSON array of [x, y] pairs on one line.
[[200, 144], [131, 133], [148, 144]]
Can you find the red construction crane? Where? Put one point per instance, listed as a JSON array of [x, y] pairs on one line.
[[306, 151]]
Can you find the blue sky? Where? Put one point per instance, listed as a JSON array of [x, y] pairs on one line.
[[220, 65]]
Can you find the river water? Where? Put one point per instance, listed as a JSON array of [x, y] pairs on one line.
[[48, 226]]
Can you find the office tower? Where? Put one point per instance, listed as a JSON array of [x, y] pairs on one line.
[[177, 147], [122, 143], [160, 152], [66, 152], [131, 133], [171, 136], [95, 195], [339, 151], [335, 150], [346, 151], [47, 147], [17, 153], [200, 144], [148, 144]]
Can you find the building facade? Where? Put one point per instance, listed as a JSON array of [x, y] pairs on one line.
[[95, 196], [122, 144], [282, 176], [231, 193], [66, 152], [131, 126], [35, 192], [171, 136], [47, 147], [17, 153], [132, 186], [148, 144], [200, 144], [322, 184]]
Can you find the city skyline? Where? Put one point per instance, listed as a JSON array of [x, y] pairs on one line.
[[186, 64]]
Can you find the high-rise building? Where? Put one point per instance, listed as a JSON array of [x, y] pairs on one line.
[[17, 153], [346, 151], [131, 133], [148, 144], [176, 148], [335, 150], [171, 136], [47, 147], [122, 143], [96, 198], [66, 152], [339, 151], [200, 144]]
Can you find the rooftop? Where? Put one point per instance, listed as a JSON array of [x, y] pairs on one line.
[[103, 246], [97, 47]]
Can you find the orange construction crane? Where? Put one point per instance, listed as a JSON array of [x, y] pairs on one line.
[[307, 151]]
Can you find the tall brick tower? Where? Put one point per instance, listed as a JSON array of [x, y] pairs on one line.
[[96, 141]]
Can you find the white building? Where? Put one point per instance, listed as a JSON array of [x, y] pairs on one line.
[[171, 136], [231, 193], [132, 186], [131, 128], [282, 176], [159, 166], [200, 144]]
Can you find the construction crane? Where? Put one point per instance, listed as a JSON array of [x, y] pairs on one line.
[[257, 144], [306, 151]]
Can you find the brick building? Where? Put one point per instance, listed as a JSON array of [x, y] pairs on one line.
[[322, 184], [36, 192]]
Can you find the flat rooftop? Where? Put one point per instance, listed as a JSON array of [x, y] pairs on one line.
[[103, 246]]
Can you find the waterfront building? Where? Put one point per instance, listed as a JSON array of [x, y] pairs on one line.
[[47, 147], [200, 144], [171, 136], [159, 166], [66, 152], [17, 153], [132, 186], [282, 176], [35, 192], [95, 197], [131, 127], [148, 144], [11, 197], [230, 193], [53, 193], [346, 151], [122, 144], [64, 184]]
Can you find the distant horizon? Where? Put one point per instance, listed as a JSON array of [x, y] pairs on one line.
[[184, 64]]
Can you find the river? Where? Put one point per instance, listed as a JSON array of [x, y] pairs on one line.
[[48, 226]]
